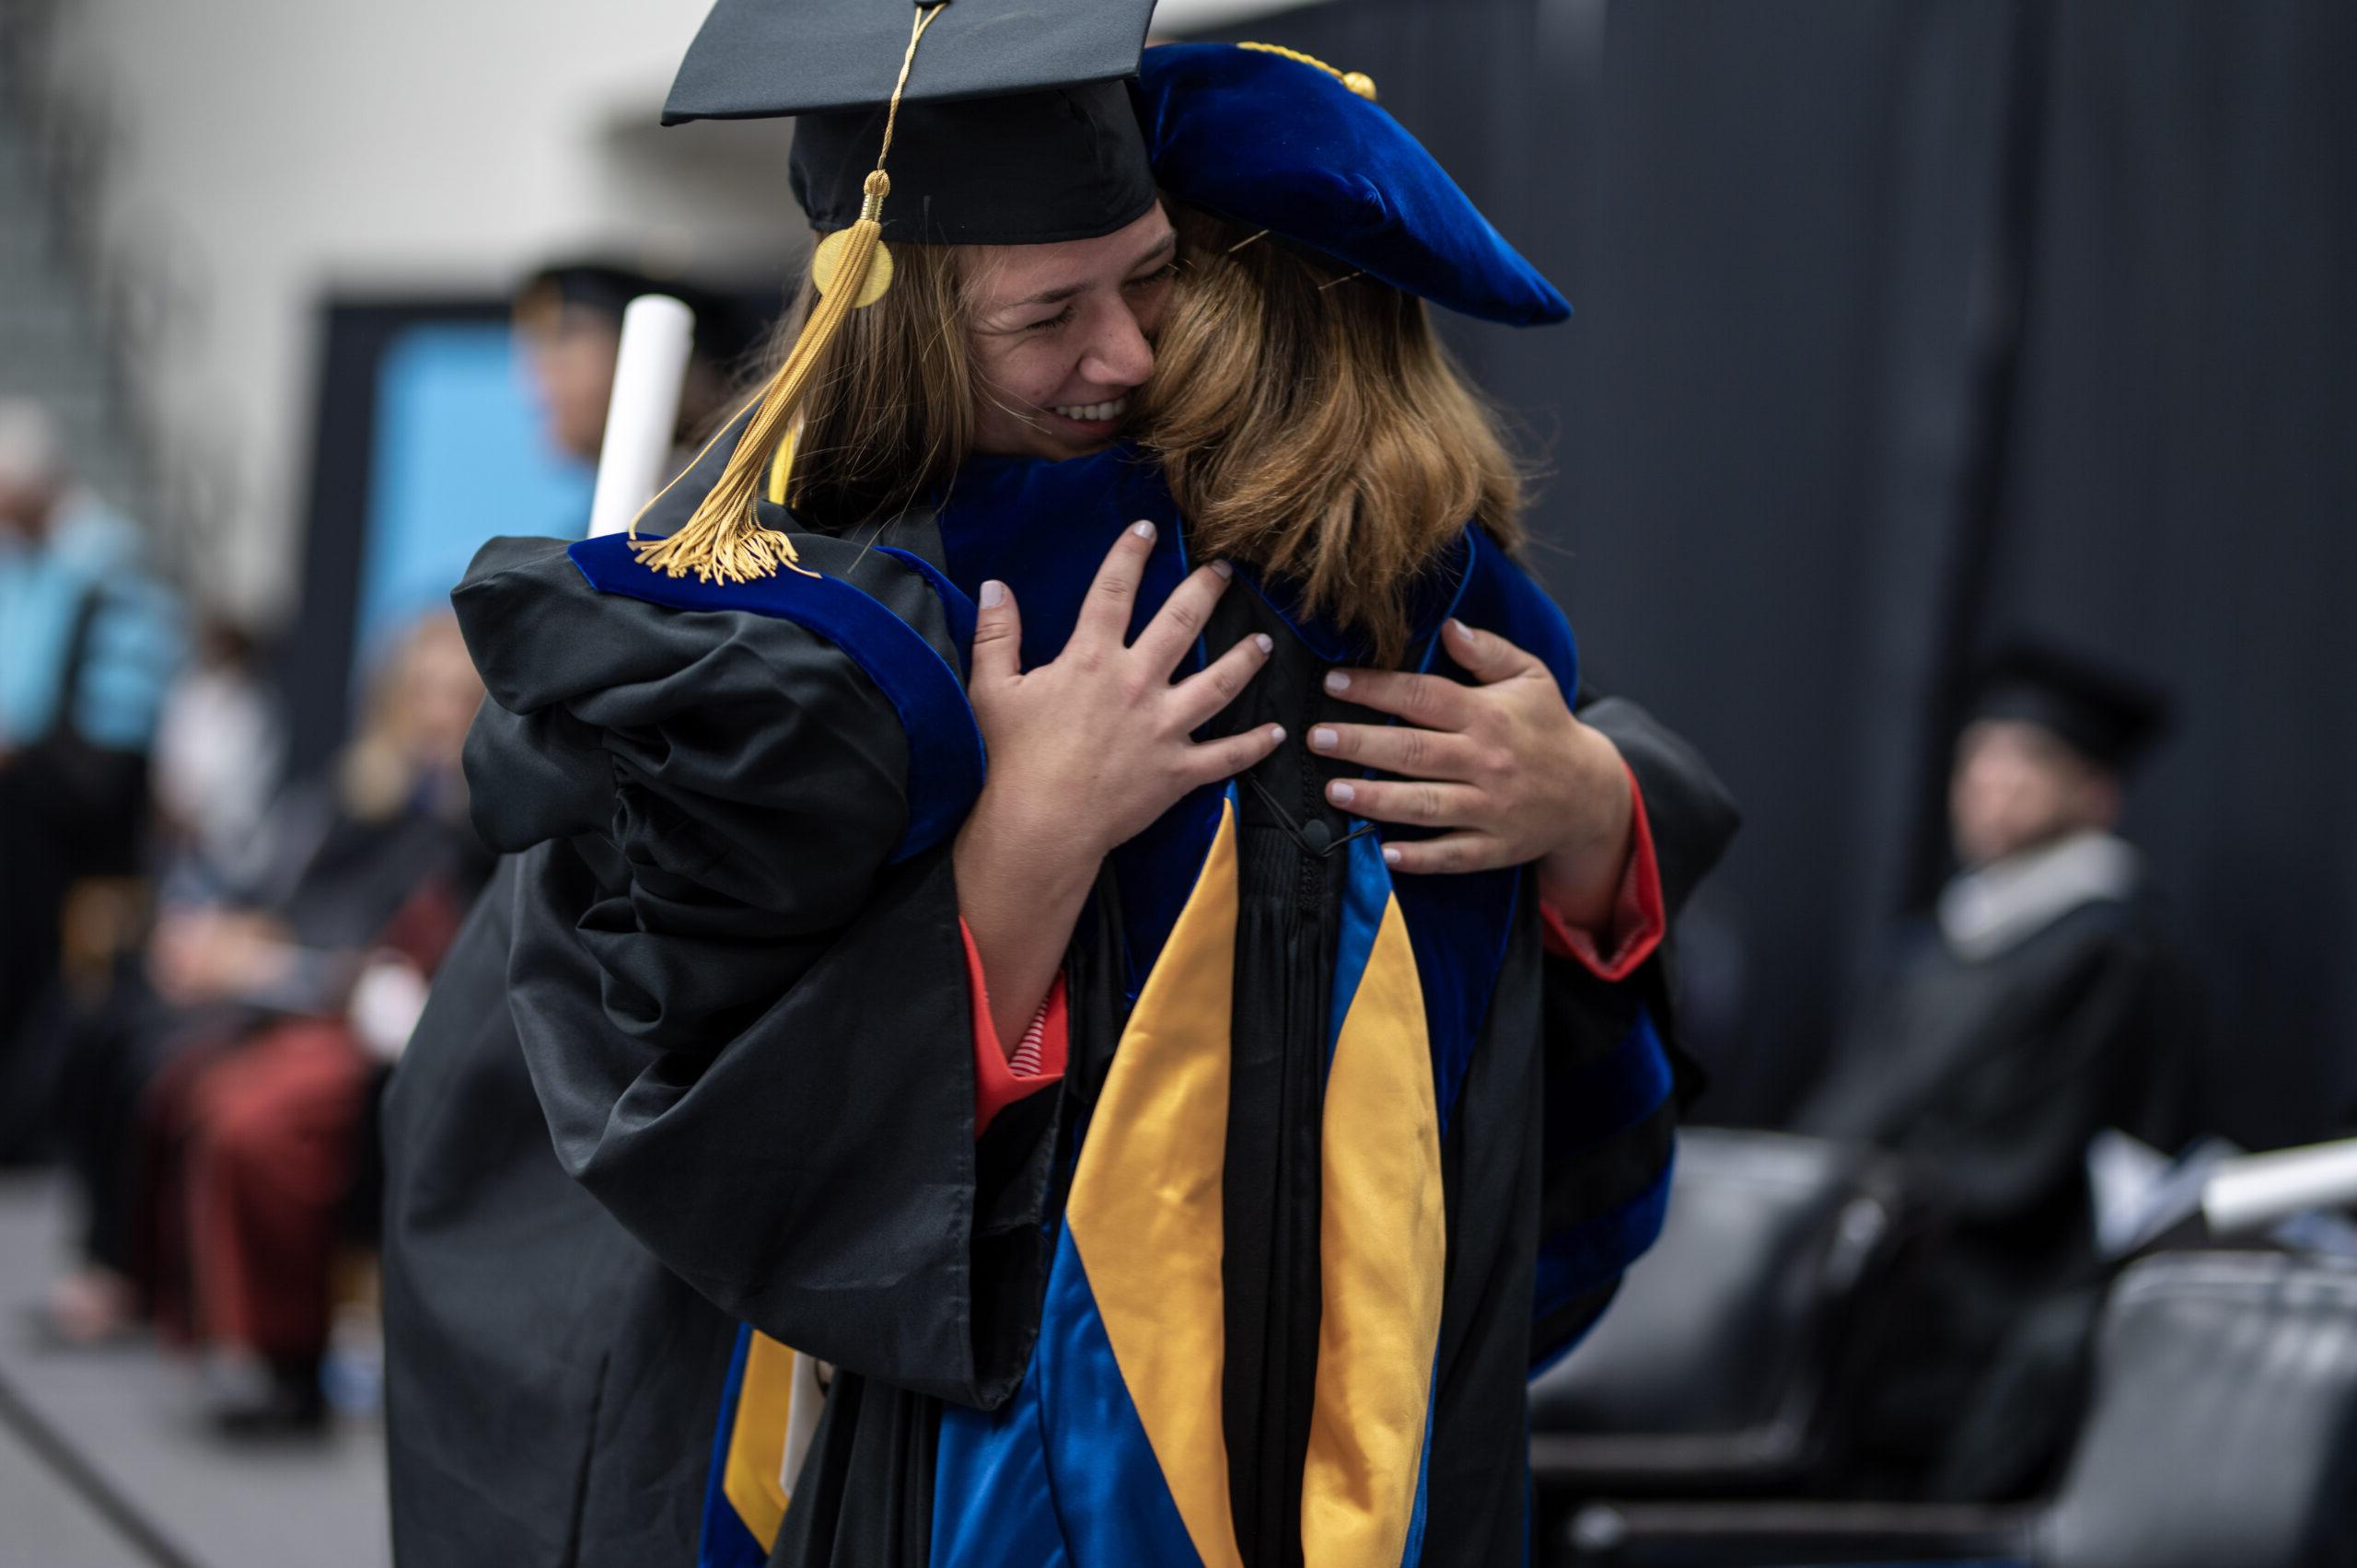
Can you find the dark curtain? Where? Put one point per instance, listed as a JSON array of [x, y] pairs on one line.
[[1903, 328]]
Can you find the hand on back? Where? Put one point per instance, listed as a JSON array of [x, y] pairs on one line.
[[1087, 749], [1501, 769]]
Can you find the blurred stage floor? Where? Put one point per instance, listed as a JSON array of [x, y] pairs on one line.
[[130, 1416]]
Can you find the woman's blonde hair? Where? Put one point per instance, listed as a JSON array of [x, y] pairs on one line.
[[890, 410], [1312, 424]]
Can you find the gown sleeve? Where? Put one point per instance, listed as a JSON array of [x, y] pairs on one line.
[[1638, 920], [1002, 1076], [1615, 1082], [737, 972]]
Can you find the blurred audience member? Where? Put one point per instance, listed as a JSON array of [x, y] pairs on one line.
[[2041, 1003], [213, 1099], [569, 315], [220, 752], [272, 1132], [89, 642]]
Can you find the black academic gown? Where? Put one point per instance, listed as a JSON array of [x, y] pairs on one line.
[[1988, 1077], [727, 951]]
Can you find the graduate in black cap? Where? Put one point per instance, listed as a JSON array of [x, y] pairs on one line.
[[1239, 1248], [569, 317], [2042, 1003]]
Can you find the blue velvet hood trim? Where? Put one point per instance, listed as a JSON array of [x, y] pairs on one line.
[[1273, 144], [927, 690]]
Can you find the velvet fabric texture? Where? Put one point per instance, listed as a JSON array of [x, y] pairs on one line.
[[925, 689], [1276, 145]]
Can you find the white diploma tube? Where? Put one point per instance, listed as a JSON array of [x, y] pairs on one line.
[[2257, 1190], [650, 372]]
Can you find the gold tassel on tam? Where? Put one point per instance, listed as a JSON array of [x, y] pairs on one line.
[[723, 541]]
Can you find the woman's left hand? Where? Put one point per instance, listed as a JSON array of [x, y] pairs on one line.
[[1502, 769]]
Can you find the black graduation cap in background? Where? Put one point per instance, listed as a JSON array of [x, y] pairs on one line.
[[730, 324], [1013, 127], [2106, 714]]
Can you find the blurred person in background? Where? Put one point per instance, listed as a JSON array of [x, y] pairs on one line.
[[569, 320], [218, 1077], [2042, 1003], [88, 644], [220, 761], [271, 1134]]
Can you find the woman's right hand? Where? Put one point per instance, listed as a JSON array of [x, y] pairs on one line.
[[1092, 746], [1085, 752]]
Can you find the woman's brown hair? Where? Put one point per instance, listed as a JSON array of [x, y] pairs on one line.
[[1312, 424], [890, 410]]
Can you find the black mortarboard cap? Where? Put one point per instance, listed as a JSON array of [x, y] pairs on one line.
[[2103, 714], [727, 325], [606, 287], [1014, 128]]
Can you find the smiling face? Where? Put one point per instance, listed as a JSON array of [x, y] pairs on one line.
[[1062, 334]]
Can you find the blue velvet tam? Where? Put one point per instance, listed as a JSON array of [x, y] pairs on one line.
[[1276, 143]]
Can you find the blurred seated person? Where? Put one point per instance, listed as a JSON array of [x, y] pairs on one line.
[[349, 857], [275, 1144], [2040, 1003], [219, 765], [89, 642]]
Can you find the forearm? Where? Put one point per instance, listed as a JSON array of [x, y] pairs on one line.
[[1020, 888], [1582, 878]]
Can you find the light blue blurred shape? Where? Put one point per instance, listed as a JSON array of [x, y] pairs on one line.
[[459, 457]]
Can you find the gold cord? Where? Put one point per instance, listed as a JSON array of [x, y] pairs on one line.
[[1358, 82], [900, 83], [724, 539]]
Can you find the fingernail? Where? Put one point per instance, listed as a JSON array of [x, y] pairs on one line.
[[994, 594], [1459, 627], [1337, 681], [1143, 531], [1268, 644], [1340, 791], [1277, 732], [1225, 569], [1321, 738], [1390, 855]]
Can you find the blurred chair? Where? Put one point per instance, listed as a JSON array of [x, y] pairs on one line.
[[1708, 1375], [2222, 1435]]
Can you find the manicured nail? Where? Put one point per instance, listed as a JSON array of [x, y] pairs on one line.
[[1390, 855], [1268, 644], [1340, 792], [1224, 568], [994, 594], [1321, 738], [1337, 681], [1277, 734], [1143, 531]]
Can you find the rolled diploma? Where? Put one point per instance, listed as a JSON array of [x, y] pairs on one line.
[[2258, 1189], [650, 370]]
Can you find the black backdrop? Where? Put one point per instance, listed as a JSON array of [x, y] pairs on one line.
[[1903, 326]]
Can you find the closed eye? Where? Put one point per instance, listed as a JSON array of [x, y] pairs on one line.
[[1162, 274]]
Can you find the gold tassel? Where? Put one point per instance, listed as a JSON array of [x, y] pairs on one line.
[[723, 541]]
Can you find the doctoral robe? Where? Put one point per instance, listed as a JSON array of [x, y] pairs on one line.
[[1336, 1158]]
